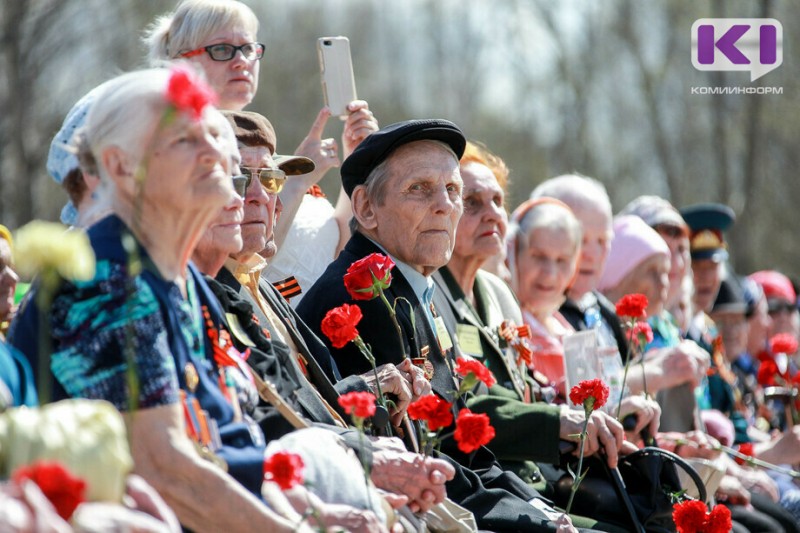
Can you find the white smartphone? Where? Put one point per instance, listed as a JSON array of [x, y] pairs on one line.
[[336, 69]]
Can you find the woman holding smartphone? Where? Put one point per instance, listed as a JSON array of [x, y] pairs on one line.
[[220, 36]]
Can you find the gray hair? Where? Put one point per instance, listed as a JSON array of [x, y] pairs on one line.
[[190, 25], [378, 177], [551, 216], [576, 191], [124, 114]]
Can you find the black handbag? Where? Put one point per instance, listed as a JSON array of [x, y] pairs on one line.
[[637, 495]]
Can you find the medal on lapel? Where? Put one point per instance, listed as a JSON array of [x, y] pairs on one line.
[[423, 362], [191, 376]]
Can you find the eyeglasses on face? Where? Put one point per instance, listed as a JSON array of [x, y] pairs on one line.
[[240, 184], [272, 179], [779, 306], [226, 52]]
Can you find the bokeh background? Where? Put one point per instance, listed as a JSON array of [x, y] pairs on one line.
[[601, 87]]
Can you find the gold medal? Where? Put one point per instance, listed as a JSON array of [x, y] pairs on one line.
[[423, 363], [192, 379]]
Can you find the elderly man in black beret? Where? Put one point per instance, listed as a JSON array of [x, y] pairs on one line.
[[405, 188]]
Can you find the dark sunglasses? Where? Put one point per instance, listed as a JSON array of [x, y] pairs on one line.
[[226, 52], [272, 179], [776, 307]]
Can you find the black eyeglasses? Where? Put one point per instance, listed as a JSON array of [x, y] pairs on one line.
[[226, 52], [240, 184], [272, 179]]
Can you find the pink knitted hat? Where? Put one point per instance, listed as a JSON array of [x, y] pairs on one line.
[[634, 241]]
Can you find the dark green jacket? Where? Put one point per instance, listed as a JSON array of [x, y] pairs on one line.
[[526, 432]]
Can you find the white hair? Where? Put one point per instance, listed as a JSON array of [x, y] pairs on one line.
[[576, 191]]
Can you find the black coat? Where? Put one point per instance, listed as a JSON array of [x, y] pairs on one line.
[[498, 499]]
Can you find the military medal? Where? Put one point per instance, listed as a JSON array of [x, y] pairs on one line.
[[192, 378], [423, 362]]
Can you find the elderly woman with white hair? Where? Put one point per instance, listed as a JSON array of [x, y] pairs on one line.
[[146, 334]]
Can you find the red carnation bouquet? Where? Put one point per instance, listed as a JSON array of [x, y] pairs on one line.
[[632, 309], [339, 325], [590, 394], [434, 414], [692, 516]]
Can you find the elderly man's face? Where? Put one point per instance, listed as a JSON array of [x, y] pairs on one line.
[[259, 206], [597, 234], [8, 280], [419, 216], [707, 279]]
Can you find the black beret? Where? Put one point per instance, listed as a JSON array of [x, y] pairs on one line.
[[730, 297], [376, 148]]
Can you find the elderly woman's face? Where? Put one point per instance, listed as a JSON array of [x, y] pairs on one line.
[[482, 228], [8, 280], [190, 165], [545, 266], [235, 81], [651, 278]]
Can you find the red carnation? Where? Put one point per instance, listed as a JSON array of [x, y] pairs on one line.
[[642, 332], [65, 491], [187, 92], [339, 324], [689, 516], [632, 305], [472, 431], [359, 404], [366, 276], [767, 371], [466, 366], [285, 469], [746, 449], [719, 520], [590, 393], [783, 343], [436, 412]]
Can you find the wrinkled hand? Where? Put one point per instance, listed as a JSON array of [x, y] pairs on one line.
[[359, 124], [603, 433], [324, 152], [731, 490], [784, 449], [691, 444], [404, 382], [648, 415], [759, 481], [420, 478], [564, 524], [684, 363], [140, 496], [25, 509], [333, 514]]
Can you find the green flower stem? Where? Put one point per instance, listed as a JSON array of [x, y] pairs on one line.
[[627, 366], [393, 316], [365, 351], [49, 281], [580, 476], [746, 458]]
